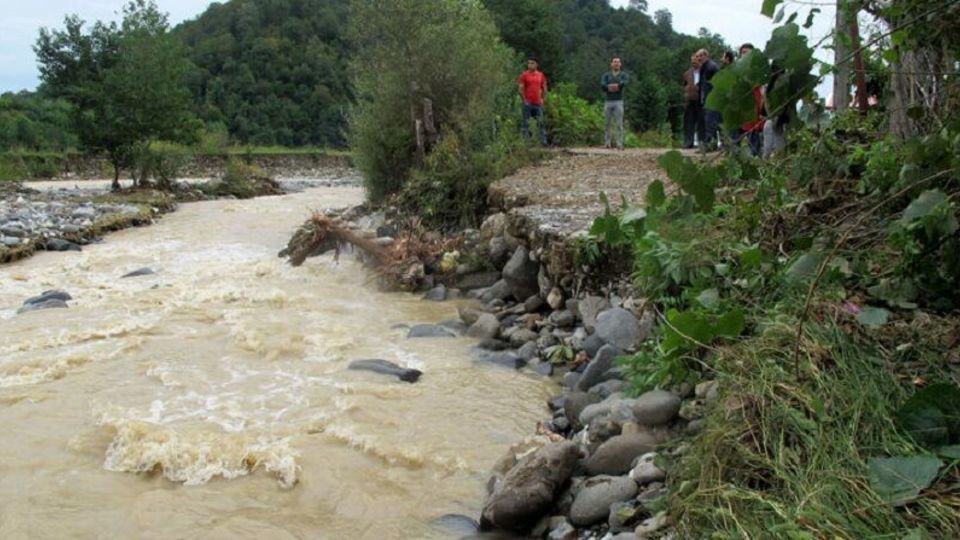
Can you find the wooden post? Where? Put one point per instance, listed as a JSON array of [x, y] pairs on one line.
[[429, 126]]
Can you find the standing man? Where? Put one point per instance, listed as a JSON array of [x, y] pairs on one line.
[[613, 83], [692, 112], [532, 85], [711, 119]]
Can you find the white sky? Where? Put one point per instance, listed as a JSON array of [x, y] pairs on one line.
[[738, 21], [21, 21]]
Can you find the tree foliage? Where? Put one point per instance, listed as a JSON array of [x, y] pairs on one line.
[[446, 51], [125, 82], [274, 72], [29, 121]]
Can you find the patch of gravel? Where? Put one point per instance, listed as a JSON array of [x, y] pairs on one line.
[[563, 193]]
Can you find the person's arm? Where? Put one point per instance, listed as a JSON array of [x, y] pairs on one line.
[[543, 89], [605, 83], [520, 89]]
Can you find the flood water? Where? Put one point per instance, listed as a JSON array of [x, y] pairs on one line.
[[212, 400]]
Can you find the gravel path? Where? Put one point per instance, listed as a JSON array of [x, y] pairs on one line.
[[562, 195]]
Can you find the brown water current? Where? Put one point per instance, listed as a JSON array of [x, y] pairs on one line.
[[212, 400]]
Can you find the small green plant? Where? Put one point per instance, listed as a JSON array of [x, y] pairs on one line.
[[572, 120]]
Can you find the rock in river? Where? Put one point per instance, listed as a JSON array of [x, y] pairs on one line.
[[527, 492], [387, 368]]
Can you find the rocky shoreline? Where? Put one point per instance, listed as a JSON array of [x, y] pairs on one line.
[[595, 467]]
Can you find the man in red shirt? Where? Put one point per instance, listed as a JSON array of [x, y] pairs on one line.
[[532, 85]]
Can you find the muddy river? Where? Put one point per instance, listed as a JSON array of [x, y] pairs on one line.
[[212, 400]]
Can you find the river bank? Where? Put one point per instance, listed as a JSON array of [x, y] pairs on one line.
[[590, 468]]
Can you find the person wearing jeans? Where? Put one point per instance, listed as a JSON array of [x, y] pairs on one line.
[[532, 85], [613, 83]]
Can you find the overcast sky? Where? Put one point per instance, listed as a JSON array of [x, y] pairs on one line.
[[738, 21]]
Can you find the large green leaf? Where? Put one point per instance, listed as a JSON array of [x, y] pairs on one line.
[[900, 480], [656, 194], [769, 7], [923, 205], [683, 327], [731, 324], [873, 317], [696, 179], [803, 269], [932, 415]]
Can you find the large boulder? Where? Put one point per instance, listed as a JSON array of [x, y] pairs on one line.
[[477, 280], [493, 226], [592, 503], [520, 274], [589, 308], [487, 326], [498, 291], [619, 327], [598, 367], [616, 455], [656, 408], [574, 404], [527, 492]]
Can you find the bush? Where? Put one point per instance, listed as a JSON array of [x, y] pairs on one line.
[[243, 181], [460, 65], [572, 120]]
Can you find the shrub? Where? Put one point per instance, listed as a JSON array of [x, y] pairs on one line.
[[459, 64], [572, 120]]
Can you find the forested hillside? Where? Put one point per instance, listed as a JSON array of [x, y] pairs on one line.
[[272, 71], [278, 72]]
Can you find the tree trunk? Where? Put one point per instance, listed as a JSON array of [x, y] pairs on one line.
[[116, 175], [841, 51]]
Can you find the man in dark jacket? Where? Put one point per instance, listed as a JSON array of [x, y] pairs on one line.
[[692, 112], [711, 119], [612, 83]]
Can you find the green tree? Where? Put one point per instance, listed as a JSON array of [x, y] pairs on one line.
[[125, 82], [447, 51]]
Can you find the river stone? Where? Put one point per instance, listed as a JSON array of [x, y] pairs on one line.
[[529, 351], [52, 303], [547, 340], [436, 294], [562, 319], [598, 409], [652, 525], [11, 241], [84, 212], [623, 514], [386, 368], [455, 326], [139, 272], [555, 298], [616, 455], [504, 359], [646, 472], [70, 228], [707, 391], [520, 273], [498, 251], [619, 327], [656, 407], [486, 326], [533, 304], [589, 308], [592, 503], [608, 388], [563, 531], [498, 291], [469, 315], [543, 368], [575, 403], [456, 524], [52, 294], [493, 344], [477, 280], [429, 331], [528, 490], [570, 379], [493, 226], [598, 367], [59, 244], [523, 336]]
